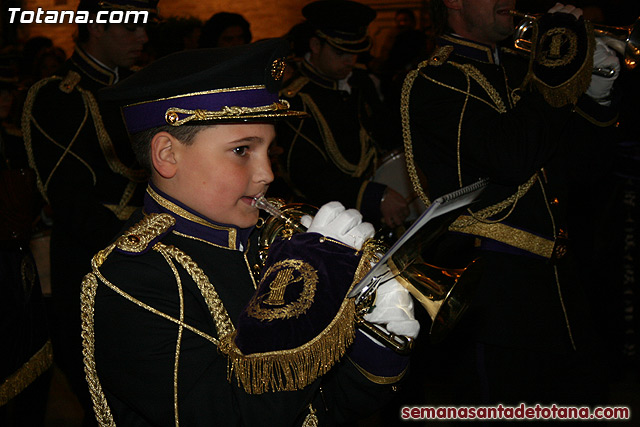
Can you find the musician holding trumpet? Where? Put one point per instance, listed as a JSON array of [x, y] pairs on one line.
[[331, 154], [176, 329], [534, 126]]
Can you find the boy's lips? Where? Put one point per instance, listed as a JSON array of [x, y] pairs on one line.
[[252, 199]]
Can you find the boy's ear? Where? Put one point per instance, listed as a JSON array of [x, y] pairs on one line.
[[163, 156], [314, 45]]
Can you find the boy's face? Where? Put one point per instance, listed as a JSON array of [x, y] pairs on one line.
[[224, 168], [120, 45], [332, 62]]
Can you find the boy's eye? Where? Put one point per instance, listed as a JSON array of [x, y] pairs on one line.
[[241, 151]]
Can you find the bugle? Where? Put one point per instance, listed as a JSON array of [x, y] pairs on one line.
[[444, 293]]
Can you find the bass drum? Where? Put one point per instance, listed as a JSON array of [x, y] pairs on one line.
[[392, 172]]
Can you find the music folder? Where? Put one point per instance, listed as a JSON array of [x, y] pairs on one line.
[[424, 231]]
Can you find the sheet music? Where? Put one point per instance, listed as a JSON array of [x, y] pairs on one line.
[[442, 205]]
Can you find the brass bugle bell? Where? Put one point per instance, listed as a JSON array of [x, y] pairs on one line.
[[624, 40], [444, 293]]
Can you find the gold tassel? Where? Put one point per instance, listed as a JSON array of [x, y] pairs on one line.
[[311, 420]]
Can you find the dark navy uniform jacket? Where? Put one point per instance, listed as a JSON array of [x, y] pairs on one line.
[[85, 166], [154, 308], [26, 347], [468, 120], [330, 155]]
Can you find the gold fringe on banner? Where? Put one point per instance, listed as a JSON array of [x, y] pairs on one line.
[[293, 369], [296, 368]]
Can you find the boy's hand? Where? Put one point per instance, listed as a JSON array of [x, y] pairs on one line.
[[345, 226], [393, 310], [568, 8], [600, 87]]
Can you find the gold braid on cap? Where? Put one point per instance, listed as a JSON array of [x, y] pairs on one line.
[[172, 116]]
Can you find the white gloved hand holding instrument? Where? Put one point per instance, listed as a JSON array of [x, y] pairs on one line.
[[393, 310], [338, 223], [393, 307], [604, 58]]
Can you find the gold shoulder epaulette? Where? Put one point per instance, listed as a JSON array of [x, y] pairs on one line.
[[139, 238], [70, 81], [295, 87], [439, 57]]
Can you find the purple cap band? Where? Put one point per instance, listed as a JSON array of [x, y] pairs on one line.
[[151, 114]]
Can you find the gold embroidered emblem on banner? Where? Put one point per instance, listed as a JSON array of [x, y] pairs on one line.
[[559, 47], [290, 292]]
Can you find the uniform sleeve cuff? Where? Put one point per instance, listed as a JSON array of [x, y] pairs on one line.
[[595, 113], [380, 365]]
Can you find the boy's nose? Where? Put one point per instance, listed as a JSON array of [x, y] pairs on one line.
[[264, 173]]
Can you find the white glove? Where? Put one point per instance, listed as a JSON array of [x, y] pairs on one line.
[[393, 310], [345, 226], [569, 8], [600, 87]]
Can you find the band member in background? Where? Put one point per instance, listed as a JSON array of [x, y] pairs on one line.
[[225, 29], [84, 165], [536, 127], [331, 154], [174, 329], [26, 354]]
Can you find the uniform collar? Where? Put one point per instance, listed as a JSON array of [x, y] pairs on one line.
[[468, 48], [92, 68], [308, 70], [192, 224]]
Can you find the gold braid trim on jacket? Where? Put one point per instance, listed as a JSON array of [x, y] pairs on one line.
[[68, 85], [27, 373], [136, 240], [471, 73]]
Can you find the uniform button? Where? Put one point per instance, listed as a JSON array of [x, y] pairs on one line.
[[133, 238]]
